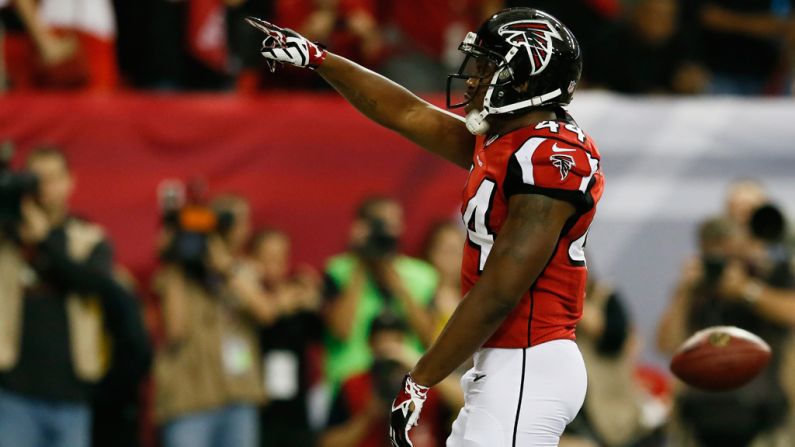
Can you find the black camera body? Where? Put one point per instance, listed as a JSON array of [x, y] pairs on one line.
[[713, 269], [191, 225], [387, 377], [768, 224], [14, 186], [380, 243]]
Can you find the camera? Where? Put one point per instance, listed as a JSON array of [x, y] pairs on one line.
[[768, 224], [713, 269], [14, 186], [387, 377], [186, 213], [380, 242]]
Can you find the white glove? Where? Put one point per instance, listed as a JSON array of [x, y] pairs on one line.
[[406, 410], [285, 46]]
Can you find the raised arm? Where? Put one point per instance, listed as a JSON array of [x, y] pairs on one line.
[[396, 108], [378, 98]]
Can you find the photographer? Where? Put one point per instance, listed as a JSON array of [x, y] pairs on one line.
[[357, 416], [57, 296], [208, 377], [735, 281], [289, 344], [619, 409], [370, 278]]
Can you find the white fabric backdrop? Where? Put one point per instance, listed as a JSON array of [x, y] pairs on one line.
[[667, 163]]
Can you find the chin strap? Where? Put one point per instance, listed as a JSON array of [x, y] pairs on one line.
[[476, 119], [476, 122]]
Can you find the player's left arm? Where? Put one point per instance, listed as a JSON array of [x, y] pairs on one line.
[[525, 244]]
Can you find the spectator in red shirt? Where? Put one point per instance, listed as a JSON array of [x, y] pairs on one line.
[[64, 44], [358, 416], [347, 27], [424, 38]]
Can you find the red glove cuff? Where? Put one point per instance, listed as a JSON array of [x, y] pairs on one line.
[[317, 54]]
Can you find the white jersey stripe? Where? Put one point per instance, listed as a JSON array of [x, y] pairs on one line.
[[594, 166], [525, 158]]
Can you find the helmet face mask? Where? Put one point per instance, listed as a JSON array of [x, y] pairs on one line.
[[481, 64], [536, 62]]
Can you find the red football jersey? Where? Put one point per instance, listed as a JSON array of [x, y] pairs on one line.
[[556, 159]]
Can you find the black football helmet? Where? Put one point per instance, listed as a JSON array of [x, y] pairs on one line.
[[514, 47]]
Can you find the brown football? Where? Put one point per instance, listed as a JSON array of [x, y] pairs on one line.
[[720, 358]]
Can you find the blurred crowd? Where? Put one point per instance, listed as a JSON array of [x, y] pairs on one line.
[[741, 47], [239, 347]]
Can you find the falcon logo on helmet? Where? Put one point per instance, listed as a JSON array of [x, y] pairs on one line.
[[535, 36]]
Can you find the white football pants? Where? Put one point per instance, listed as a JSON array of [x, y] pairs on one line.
[[520, 397]]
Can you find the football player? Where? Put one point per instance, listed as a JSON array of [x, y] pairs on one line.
[[534, 181]]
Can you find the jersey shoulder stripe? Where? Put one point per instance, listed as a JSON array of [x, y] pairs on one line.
[[553, 167]]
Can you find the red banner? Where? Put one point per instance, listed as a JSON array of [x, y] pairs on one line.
[[303, 161]]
